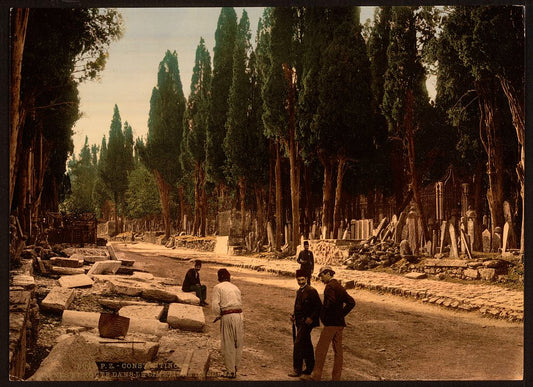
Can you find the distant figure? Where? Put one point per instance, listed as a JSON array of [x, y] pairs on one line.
[[227, 307], [191, 283], [305, 317], [337, 304], [306, 261]]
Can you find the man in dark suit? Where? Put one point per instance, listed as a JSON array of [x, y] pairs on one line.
[[191, 283], [306, 261], [306, 316]]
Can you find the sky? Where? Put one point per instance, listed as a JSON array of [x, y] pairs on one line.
[[131, 70]]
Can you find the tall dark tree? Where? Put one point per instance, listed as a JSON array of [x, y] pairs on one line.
[[239, 137], [222, 78], [194, 129], [343, 121], [44, 96], [114, 173], [405, 96], [490, 41], [165, 131], [279, 116]]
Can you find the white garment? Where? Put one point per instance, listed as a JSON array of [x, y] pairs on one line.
[[227, 296]]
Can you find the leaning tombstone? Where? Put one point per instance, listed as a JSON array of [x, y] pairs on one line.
[[497, 239], [485, 236], [453, 251], [505, 236], [443, 228]]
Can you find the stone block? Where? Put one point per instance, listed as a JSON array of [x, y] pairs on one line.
[[136, 349], [416, 275], [25, 281], [117, 304], [67, 270], [160, 294], [193, 363], [142, 311], [111, 251], [72, 359], [186, 317], [66, 262], [88, 259], [221, 245], [104, 267], [487, 274], [187, 297], [58, 299], [75, 281], [138, 275], [471, 273], [91, 319]]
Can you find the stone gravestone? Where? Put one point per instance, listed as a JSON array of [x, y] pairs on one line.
[[508, 216], [505, 236], [472, 228], [443, 228], [497, 239], [399, 228], [461, 232], [313, 231], [485, 236], [453, 251], [270, 235], [412, 219]]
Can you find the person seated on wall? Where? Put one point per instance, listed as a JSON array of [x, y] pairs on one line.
[[191, 283]]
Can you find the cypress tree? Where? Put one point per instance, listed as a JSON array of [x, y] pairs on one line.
[[222, 78], [165, 130], [194, 129]]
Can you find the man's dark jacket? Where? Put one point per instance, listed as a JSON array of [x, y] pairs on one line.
[[307, 304], [306, 261], [191, 278], [337, 304]]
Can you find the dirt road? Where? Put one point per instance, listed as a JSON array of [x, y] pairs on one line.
[[387, 337]]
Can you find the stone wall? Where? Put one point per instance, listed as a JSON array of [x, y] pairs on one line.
[[23, 320], [472, 269]]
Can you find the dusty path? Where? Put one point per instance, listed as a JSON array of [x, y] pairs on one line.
[[387, 337]]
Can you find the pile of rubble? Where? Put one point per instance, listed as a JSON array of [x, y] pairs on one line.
[[146, 316], [368, 256]]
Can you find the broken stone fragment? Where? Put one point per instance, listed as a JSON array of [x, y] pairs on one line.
[[58, 299], [66, 262], [186, 317], [75, 281], [104, 267]]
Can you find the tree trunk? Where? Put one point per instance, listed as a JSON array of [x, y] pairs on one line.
[[164, 197], [290, 77], [397, 167], [203, 202], [490, 134], [411, 155], [341, 169], [242, 196], [308, 218], [279, 200], [327, 193], [19, 26], [478, 204], [259, 193], [115, 217], [182, 208], [196, 215], [515, 98]]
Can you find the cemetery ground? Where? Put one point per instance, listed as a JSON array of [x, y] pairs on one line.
[[388, 337]]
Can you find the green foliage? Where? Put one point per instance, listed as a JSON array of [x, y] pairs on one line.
[[275, 87], [405, 71], [222, 66], [343, 123], [83, 175], [238, 140], [142, 196], [165, 123], [196, 115], [114, 169]]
